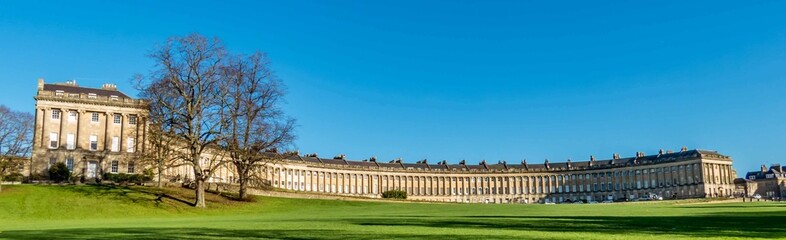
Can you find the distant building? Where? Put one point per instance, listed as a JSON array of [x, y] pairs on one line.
[[767, 182], [91, 130]]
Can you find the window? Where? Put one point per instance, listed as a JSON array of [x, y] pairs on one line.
[[59, 92], [70, 164], [92, 96], [94, 117], [118, 119], [55, 114], [130, 167], [71, 116], [93, 143], [113, 97], [114, 167], [132, 120], [70, 142], [53, 140], [115, 144], [52, 161]]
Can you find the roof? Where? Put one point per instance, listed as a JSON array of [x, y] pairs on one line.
[[524, 166], [83, 90]]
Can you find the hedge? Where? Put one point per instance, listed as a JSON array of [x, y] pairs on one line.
[[395, 194]]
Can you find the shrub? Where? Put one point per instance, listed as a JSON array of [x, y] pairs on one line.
[[124, 178], [395, 194], [14, 177], [59, 172]]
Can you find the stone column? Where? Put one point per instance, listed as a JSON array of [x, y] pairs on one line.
[[43, 129]]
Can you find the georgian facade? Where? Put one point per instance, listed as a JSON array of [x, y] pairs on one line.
[[768, 183], [99, 130], [684, 174], [91, 130]]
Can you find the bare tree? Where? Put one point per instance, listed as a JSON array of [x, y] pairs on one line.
[[162, 151], [183, 91], [15, 140], [255, 127]]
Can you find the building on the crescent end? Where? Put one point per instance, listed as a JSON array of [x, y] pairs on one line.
[[101, 130], [91, 130]]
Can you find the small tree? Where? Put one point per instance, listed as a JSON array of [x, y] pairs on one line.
[[15, 140]]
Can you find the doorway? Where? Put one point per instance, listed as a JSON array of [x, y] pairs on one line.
[[92, 169]]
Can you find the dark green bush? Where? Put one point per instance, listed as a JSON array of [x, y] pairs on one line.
[[14, 177], [59, 172], [395, 194], [124, 178]]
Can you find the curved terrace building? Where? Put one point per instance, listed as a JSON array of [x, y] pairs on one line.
[[101, 130], [683, 174]]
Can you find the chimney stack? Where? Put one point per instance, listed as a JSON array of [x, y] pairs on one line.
[[763, 168], [40, 84], [684, 149], [109, 86], [616, 156]]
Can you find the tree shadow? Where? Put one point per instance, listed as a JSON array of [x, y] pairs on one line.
[[728, 224], [130, 194], [213, 233]]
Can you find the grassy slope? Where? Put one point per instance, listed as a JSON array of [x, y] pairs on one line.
[[85, 212]]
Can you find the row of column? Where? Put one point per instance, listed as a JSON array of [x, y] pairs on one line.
[[363, 183]]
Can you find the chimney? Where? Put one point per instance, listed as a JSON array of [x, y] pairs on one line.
[[660, 152], [109, 86], [763, 168], [524, 163], [373, 159], [684, 149], [40, 84], [463, 162], [592, 158], [569, 163], [547, 163], [616, 156], [71, 83]]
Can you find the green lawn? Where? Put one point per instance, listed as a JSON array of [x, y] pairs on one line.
[[101, 212]]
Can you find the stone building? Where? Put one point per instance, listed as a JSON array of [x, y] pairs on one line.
[[683, 174], [91, 130], [767, 182], [99, 130]]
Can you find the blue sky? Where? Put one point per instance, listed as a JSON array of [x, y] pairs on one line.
[[454, 80]]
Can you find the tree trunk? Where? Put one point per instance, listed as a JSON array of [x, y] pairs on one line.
[[200, 193], [160, 170], [242, 192]]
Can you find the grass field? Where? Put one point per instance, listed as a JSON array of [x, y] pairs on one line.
[[101, 212]]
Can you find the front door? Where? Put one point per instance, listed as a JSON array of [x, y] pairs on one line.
[[92, 169]]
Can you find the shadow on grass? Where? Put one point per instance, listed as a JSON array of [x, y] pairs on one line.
[[728, 224], [130, 194], [212, 233], [738, 205]]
